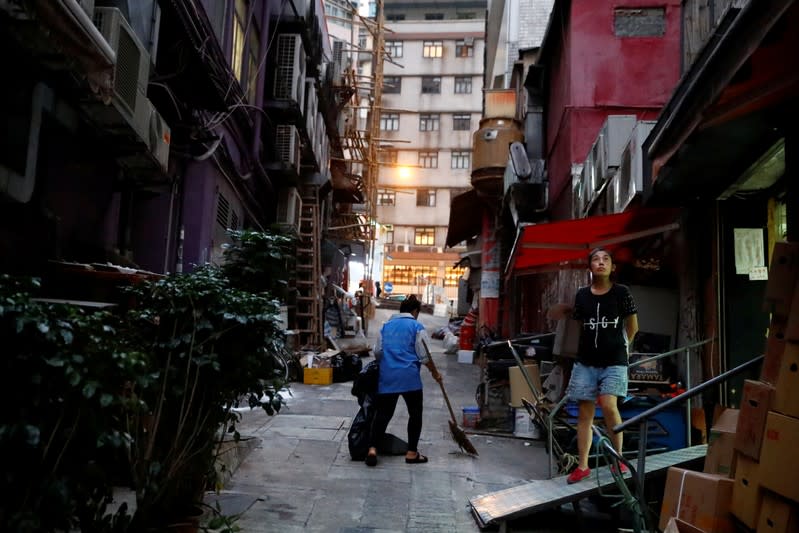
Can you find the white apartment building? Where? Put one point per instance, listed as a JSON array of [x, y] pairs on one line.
[[432, 104]]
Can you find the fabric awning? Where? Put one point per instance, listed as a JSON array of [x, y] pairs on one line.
[[556, 245], [465, 218]]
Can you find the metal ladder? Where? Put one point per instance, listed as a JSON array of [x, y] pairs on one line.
[[309, 274]]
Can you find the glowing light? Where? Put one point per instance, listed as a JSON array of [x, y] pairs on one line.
[[404, 173]]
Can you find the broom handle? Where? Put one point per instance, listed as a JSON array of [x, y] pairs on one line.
[[440, 383]]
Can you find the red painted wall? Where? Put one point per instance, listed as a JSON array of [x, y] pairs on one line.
[[594, 74]]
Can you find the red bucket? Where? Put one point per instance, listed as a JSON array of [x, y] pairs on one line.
[[466, 340]]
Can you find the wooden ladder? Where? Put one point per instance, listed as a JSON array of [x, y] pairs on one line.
[[309, 275]]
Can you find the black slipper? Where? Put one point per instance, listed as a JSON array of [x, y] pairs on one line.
[[416, 460], [371, 460]]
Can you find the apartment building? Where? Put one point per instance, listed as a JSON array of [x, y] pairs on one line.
[[432, 101]]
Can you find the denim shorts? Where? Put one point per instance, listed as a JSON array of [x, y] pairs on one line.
[[588, 382]]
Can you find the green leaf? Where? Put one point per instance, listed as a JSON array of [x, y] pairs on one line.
[[32, 435], [106, 399], [52, 361], [44, 328], [89, 389]]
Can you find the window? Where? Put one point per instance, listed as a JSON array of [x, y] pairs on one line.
[[392, 85], [413, 276], [428, 159], [471, 15], [395, 17], [639, 22], [433, 49], [431, 84], [463, 85], [394, 49], [461, 159], [362, 38], [237, 57], [434, 16], [452, 275], [388, 155], [461, 121], [429, 121], [464, 48], [386, 197], [390, 237], [424, 236], [252, 63], [426, 198], [389, 121]]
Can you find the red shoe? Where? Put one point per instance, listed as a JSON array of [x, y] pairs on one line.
[[623, 468], [578, 474]]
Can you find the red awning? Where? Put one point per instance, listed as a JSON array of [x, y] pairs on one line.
[[556, 245]]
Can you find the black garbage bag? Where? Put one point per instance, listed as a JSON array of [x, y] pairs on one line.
[[366, 381], [346, 367], [358, 436]]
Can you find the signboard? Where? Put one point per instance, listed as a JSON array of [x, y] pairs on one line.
[[388, 287]]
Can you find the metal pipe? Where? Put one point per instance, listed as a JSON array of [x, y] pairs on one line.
[[90, 29], [670, 352], [550, 424], [688, 394], [688, 401]]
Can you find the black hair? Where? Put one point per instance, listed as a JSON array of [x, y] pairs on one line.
[[410, 304], [596, 251]]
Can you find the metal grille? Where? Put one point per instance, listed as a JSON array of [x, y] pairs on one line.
[[222, 210], [127, 69], [286, 144], [640, 22], [284, 75]]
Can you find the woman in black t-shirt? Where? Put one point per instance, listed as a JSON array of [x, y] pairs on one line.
[[609, 324]]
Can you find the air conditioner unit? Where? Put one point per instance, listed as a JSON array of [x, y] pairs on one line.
[[596, 163], [287, 141], [616, 132], [631, 171], [311, 108], [578, 176], [132, 68], [160, 137], [436, 250], [289, 208], [290, 69]]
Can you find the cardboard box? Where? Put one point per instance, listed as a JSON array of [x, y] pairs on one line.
[[786, 396], [747, 492], [518, 385], [792, 323], [567, 337], [676, 525], [778, 515], [782, 277], [720, 457], [779, 460], [702, 500], [775, 348], [755, 405], [317, 376]]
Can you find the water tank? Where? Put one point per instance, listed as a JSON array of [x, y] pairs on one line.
[[491, 143]]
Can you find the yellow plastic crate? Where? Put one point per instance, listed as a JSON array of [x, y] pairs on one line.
[[317, 376]]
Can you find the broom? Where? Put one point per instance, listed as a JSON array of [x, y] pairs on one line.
[[458, 435]]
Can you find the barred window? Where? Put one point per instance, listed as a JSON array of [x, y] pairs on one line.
[[431, 84], [394, 49], [428, 159], [461, 121], [388, 155], [426, 198], [434, 16], [429, 122], [386, 197], [389, 121], [462, 159], [390, 237], [392, 85], [463, 85], [433, 49]]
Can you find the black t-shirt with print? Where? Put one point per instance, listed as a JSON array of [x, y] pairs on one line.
[[602, 339]]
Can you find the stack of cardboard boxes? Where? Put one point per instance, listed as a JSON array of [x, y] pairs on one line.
[[752, 467]]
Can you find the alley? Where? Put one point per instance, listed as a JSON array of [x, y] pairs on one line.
[[300, 477]]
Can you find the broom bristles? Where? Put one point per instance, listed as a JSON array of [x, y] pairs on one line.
[[460, 438]]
